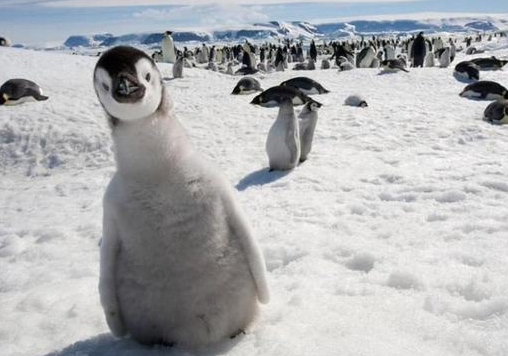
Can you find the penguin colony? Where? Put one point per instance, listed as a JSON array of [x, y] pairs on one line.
[[195, 302]]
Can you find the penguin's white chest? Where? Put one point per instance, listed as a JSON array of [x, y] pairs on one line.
[[181, 274], [280, 155]]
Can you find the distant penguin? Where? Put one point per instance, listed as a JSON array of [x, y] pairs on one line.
[[300, 66], [356, 100], [491, 63], [365, 57], [325, 64], [438, 44], [418, 51], [443, 56], [311, 65], [247, 85], [279, 60], [230, 69], [4, 42], [429, 60], [212, 66], [453, 50], [157, 56], [307, 121], [168, 48], [246, 71], [18, 91], [274, 96], [467, 70], [306, 85], [283, 141], [497, 113], [394, 65], [485, 90], [389, 52], [313, 51], [345, 66], [178, 68]]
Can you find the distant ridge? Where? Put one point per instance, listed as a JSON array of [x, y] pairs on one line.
[[300, 30]]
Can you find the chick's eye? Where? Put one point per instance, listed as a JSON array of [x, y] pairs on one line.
[[148, 77], [105, 86]]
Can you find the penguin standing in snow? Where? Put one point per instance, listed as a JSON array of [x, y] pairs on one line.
[[418, 51], [365, 57], [443, 55], [168, 48], [178, 68], [178, 260], [283, 141], [307, 121], [313, 51]]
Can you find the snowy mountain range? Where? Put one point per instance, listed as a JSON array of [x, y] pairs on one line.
[[302, 30]]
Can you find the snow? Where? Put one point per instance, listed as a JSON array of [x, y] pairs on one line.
[[389, 240]]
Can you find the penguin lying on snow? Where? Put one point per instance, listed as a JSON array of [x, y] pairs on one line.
[[497, 113], [18, 91], [491, 63], [166, 202], [467, 70], [356, 100], [247, 85], [393, 65], [485, 89], [306, 85], [275, 96]]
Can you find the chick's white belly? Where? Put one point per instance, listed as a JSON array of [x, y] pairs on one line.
[[181, 275], [276, 147]]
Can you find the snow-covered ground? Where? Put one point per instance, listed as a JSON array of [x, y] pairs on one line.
[[392, 239]]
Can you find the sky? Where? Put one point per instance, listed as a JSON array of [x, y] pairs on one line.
[[52, 21]]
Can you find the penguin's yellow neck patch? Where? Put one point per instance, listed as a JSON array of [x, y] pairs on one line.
[[6, 97]]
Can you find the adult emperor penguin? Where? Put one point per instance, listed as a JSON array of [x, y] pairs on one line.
[[307, 121], [443, 55], [283, 141], [467, 70], [485, 89], [18, 91], [365, 57], [247, 85], [394, 65], [178, 259], [306, 85], [497, 112], [178, 68], [418, 51], [168, 48], [275, 96], [491, 63]]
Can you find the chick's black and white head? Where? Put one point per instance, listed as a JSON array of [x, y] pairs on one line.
[[128, 84]]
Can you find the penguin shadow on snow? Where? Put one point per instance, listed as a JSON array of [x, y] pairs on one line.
[[108, 345], [260, 177]]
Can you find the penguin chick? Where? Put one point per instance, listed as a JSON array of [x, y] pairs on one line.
[[178, 260], [307, 124]]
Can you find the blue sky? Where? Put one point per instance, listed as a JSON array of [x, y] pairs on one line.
[[40, 21]]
